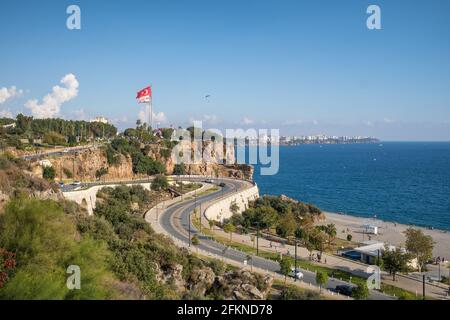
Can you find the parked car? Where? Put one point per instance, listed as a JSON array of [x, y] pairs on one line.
[[296, 274], [222, 184], [434, 279], [344, 289], [76, 183]]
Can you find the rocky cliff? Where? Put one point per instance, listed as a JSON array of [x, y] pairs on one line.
[[85, 165], [237, 284]]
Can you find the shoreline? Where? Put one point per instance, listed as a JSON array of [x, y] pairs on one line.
[[388, 231]]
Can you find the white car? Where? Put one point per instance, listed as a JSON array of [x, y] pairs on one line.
[[76, 183], [296, 274]]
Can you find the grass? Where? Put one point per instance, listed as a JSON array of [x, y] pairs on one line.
[[399, 292], [187, 187], [307, 265], [211, 190], [295, 292]]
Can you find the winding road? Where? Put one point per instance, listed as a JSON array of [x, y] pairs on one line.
[[175, 222]]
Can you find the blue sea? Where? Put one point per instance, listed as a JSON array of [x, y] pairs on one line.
[[405, 182]]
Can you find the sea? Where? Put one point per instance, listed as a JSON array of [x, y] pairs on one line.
[[403, 182]]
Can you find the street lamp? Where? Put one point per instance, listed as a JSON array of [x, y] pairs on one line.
[[439, 268], [257, 239], [224, 250], [200, 213], [295, 261], [189, 224]]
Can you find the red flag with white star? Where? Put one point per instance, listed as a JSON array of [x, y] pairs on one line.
[[144, 95]]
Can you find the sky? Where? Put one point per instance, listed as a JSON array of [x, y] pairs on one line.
[[304, 67]]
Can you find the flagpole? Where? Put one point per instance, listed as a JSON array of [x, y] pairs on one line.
[[151, 108]]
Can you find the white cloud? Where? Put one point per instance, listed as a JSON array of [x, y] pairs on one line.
[[387, 120], [209, 119], [51, 103], [315, 122], [79, 114], [5, 114], [159, 117], [293, 122], [9, 93], [369, 123], [247, 121]]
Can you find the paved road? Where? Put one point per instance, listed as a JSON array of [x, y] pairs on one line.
[[175, 220], [85, 185], [59, 153]]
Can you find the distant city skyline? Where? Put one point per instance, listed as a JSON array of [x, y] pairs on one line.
[[305, 67]]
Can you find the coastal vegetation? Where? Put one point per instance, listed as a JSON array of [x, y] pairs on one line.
[[142, 164], [25, 131], [119, 255], [282, 214], [419, 246], [44, 242]]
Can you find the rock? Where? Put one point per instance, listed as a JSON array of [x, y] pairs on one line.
[[172, 274], [201, 280], [243, 285], [252, 292]]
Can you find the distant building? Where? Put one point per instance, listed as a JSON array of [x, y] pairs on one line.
[[371, 250], [100, 119], [11, 125]]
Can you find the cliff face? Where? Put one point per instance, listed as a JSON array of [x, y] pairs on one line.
[[84, 165], [16, 179], [213, 161]]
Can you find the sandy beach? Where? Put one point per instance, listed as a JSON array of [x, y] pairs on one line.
[[389, 232]]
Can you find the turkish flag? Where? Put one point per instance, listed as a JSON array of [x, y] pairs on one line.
[[144, 95]]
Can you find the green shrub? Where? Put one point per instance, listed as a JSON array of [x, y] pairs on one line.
[[45, 241], [49, 173]]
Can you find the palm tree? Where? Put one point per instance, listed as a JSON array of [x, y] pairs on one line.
[[229, 228]]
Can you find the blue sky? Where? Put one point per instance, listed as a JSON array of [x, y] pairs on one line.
[[306, 67]]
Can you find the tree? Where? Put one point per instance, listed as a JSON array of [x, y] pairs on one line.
[[160, 183], [395, 261], [211, 224], [318, 240], [101, 172], [331, 231], [179, 170], [361, 292], [321, 279], [349, 237], [234, 207], [229, 228], [419, 245], [46, 242], [305, 236], [195, 241], [49, 173], [285, 268], [286, 225]]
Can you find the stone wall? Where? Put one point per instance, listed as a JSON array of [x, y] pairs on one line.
[[221, 209]]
